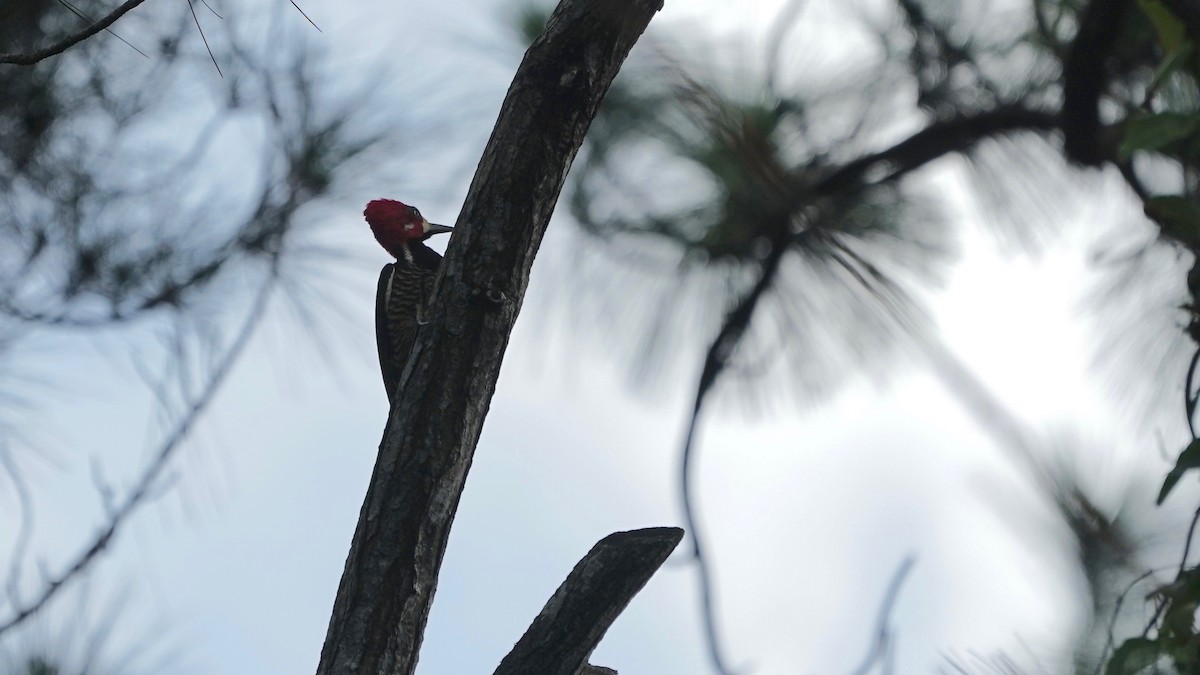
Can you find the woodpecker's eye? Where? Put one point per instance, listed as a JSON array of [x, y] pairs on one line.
[[413, 212]]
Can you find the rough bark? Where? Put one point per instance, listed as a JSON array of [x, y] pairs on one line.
[[567, 630], [388, 583]]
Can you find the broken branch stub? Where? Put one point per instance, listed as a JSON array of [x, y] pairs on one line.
[[567, 630]]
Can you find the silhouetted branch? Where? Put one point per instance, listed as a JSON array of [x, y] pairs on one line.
[[1083, 80], [25, 529], [717, 357], [151, 472], [88, 17], [1187, 545], [383, 600], [940, 138], [71, 40], [1116, 613], [1190, 398], [937, 55], [936, 140], [567, 630], [881, 645]]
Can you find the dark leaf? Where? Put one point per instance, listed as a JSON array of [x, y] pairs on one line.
[[1155, 132], [1132, 656], [1179, 217], [1170, 30], [1188, 459]]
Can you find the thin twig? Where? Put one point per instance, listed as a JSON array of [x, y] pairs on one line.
[[948, 50], [30, 58], [1187, 545], [1112, 624], [1189, 399], [1158, 610], [152, 472], [883, 635], [25, 530], [736, 323]]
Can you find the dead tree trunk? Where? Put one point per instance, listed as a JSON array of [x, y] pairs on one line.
[[391, 572]]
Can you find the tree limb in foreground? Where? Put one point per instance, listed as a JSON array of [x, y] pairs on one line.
[[71, 40], [567, 630], [391, 572]]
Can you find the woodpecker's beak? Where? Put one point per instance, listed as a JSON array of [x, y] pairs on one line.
[[433, 228]]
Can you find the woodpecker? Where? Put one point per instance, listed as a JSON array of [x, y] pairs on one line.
[[402, 295]]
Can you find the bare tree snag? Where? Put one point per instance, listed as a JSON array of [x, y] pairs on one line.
[[388, 583], [564, 634]]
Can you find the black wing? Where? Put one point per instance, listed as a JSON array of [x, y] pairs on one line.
[[401, 300], [388, 365]]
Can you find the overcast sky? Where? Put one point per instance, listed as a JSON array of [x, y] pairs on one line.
[[808, 512]]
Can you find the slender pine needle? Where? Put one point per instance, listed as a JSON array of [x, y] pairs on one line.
[[314, 23], [86, 17], [204, 38], [210, 8]]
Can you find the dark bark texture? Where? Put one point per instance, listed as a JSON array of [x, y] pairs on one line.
[[569, 627], [1084, 78], [388, 583]]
